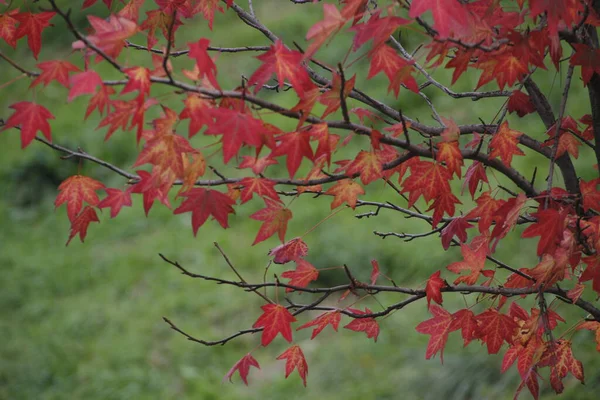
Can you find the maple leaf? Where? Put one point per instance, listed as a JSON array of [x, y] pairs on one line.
[[139, 79], [205, 202], [549, 226], [368, 164], [444, 203], [589, 60], [332, 318], [206, 66], [332, 98], [320, 32], [84, 83], [439, 327], [504, 144], [397, 69], [475, 174], [345, 191], [296, 146], [284, 63], [79, 224], [101, 101], [466, 322], [495, 328], [474, 262], [115, 200], [8, 27], [520, 103], [55, 70], [448, 15], [590, 194], [257, 164], [433, 288], [262, 187], [367, 325], [32, 25], [198, 110], [592, 326], [485, 211], [208, 7], [449, 153], [304, 273], [457, 227], [374, 271], [152, 188], [559, 357], [75, 190], [327, 141], [376, 28], [427, 179], [243, 367], [575, 293], [109, 34], [549, 270], [295, 360], [592, 272], [158, 19], [131, 10], [275, 319], [506, 217], [31, 118], [166, 152], [291, 250], [237, 129]]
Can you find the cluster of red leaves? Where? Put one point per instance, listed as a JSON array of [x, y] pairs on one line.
[[484, 35]]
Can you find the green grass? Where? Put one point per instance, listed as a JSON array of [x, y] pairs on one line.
[[85, 321]]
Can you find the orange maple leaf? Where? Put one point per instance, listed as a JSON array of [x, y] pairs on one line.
[[304, 273], [474, 262], [504, 144], [346, 191]]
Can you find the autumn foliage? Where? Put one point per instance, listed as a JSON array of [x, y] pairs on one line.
[[445, 174]]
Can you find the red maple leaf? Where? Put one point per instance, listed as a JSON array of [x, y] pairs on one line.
[[257, 164], [449, 153], [32, 118], [592, 272], [332, 98], [448, 15], [8, 27], [466, 322], [506, 216], [243, 367], [589, 60], [55, 70], [328, 318], [504, 144], [275, 216], [275, 319], [101, 101], [475, 174], [84, 83], [520, 103], [428, 179], [32, 25], [203, 203], [262, 187], [115, 200], [295, 360], [474, 262], [376, 28], [139, 79], [457, 227], [495, 328], [109, 34], [549, 227], [80, 223], [289, 251], [559, 357], [151, 190], [439, 327], [320, 32], [237, 129], [368, 164], [75, 190], [433, 288], [374, 271], [367, 325], [444, 203], [397, 69], [206, 66], [296, 146], [485, 211], [284, 63], [198, 110], [304, 273]]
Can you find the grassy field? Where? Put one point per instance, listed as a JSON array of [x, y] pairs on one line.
[[85, 321]]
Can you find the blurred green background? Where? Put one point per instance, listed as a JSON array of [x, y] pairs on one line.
[[85, 321]]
